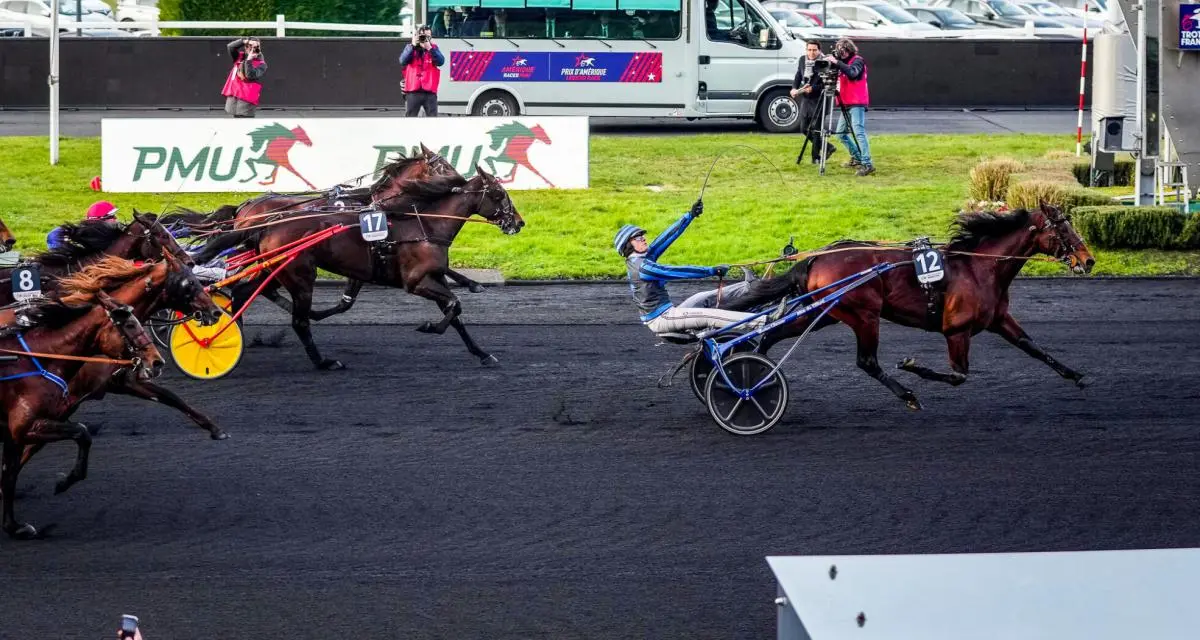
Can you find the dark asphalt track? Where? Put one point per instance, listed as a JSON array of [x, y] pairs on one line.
[[417, 495]]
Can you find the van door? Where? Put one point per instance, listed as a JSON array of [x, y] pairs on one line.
[[734, 60]]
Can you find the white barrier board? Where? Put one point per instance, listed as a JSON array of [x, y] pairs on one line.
[[169, 155], [1086, 595]]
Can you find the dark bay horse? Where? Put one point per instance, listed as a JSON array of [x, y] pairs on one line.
[[167, 284], [420, 263], [7, 239], [975, 298], [80, 320]]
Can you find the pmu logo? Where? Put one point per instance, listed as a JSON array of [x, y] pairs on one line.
[[584, 69], [269, 146], [518, 69]]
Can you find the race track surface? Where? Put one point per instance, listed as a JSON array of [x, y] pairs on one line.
[[563, 495]]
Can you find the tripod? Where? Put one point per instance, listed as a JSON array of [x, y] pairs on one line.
[[825, 119]]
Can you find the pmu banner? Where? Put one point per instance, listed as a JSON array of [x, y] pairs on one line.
[[606, 66], [194, 155], [1189, 26]]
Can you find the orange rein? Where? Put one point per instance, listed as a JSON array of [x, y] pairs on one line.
[[54, 356]]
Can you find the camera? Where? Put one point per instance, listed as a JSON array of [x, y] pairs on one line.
[[827, 71]]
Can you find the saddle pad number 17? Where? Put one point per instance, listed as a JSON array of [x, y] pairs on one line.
[[26, 283], [373, 225], [930, 265]]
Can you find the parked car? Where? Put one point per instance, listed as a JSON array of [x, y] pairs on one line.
[[945, 18], [1000, 13], [829, 20], [137, 11], [881, 16], [1059, 14], [792, 19], [37, 12]]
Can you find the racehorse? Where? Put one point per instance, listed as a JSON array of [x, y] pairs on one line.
[[80, 321], [425, 222], [984, 255], [167, 284], [91, 240]]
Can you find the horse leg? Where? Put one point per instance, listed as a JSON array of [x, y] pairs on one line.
[[45, 431], [297, 174], [485, 358], [866, 330], [10, 468], [349, 295], [959, 346], [271, 178], [300, 285], [463, 281], [435, 289], [1009, 329], [166, 397]]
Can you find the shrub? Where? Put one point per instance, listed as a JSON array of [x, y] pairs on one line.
[[990, 178], [1122, 174], [1119, 227], [1029, 194]]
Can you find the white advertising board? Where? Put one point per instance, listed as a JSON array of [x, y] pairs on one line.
[[193, 155]]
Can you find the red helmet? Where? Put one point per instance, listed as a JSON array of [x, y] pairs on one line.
[[103, 210]]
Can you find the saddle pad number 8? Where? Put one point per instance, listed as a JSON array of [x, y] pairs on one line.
[[373, 225], [26, 283], [930, 265]]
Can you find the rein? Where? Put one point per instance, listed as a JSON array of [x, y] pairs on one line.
[[814, 254], [55, 356]]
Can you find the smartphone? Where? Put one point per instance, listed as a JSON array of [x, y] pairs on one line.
[[128, 625]]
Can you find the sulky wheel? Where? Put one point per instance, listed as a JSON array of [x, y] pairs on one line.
[[702, 366], [207, 353], [747, 416]]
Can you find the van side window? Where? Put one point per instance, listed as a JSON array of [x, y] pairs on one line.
[[731, 21]]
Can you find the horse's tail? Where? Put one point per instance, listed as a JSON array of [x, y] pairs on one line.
[[767, 290], [246, 238]]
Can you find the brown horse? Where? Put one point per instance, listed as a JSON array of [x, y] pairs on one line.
[[424, 223], [93, 240], [167, 284], [81, 321], [975, 294]]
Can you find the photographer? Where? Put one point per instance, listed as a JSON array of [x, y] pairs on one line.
[[243, 87], [420, 61], [852, 94], [808, 88]]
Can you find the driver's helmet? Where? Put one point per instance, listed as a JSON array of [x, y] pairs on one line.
[[627, 233]]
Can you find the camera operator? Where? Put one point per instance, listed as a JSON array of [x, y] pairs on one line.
[[808, 89], [420, 61], [243, 87], [852, 94]]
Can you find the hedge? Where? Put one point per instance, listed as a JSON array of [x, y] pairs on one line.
[[1120, 227], [384, 12], [1067, 197], [1122, 174]]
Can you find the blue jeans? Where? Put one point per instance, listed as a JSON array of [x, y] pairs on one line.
[[858, 120]]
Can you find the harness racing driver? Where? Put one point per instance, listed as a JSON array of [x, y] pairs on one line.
[[648, 278]]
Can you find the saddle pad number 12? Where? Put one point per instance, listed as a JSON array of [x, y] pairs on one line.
[[930, 265], [26, 283], [373, 225]]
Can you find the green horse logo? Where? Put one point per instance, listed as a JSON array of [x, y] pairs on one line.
[[512, 142], [276, 141]]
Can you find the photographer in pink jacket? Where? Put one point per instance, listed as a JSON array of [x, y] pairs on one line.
[[243, 87]]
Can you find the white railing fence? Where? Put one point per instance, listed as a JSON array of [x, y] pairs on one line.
[[280, 24]]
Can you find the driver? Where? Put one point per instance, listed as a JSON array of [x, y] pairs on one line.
[[648, 278]]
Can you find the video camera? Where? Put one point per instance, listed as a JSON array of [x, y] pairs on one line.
[[827, 71]]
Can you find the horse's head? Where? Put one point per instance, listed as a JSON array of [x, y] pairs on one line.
[[182, 291], [127, 336], [539, 134], [436, 164], [1056, 237], [494, 203], [7, 239], [302, 136], [156, 239]]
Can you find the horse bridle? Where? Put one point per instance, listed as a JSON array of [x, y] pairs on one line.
[[507, 214], [136, 341], [1057, 222]]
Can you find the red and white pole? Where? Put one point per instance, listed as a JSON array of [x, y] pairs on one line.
[[1082, 83]]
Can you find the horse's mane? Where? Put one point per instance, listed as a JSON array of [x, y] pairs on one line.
[[419, 193], [81, 287], [81, 240], [392, 169], [971, 228]]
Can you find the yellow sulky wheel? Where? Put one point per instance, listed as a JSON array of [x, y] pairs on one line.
[[207, 353]]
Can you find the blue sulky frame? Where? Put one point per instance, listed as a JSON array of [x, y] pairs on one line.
[[796, 307]]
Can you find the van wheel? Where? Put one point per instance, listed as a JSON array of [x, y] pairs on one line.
[[778, 112], [495, 103]]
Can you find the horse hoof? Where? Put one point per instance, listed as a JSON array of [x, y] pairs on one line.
[[906, 363], [1082, 383], [64, 483], [23, 532], [426, 327], [913, 404], [490, 361], [476, 288], [218, 435], [331, 365]]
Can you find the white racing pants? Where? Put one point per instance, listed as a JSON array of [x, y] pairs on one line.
[[682, 319]]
